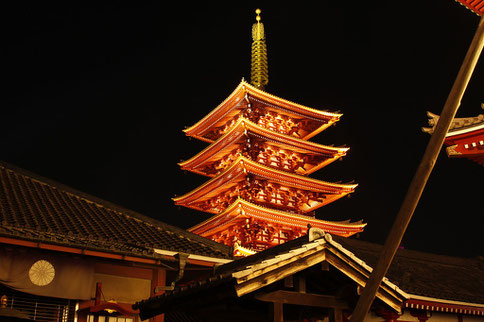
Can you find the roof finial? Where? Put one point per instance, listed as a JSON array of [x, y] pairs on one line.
[[259, 75], [257, 11]]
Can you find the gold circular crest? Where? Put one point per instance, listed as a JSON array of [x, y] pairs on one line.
[[41, 273]]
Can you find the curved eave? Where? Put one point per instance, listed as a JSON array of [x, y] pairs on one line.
[[201, 127], [467, 143], [476, 6], [285, 139], [319, 129], [242, 166], [242, 251], [230, 137], [460, 126], [468, 131], [292, 179], [244, 209], [473, 151], [237, 132], [291, 106], [234, 97]]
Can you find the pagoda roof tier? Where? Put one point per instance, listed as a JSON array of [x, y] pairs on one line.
[[212, 126], [221, 153], [263, 184], [465, 137], [241, 210]]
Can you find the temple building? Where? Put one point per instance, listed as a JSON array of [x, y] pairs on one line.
[[68, 256], [465, 138], [258, 161], [319, 277]]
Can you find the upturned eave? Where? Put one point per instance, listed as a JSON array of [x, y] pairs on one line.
[[243, 166], [242, 209], [229, 106], [242, 128], [465, 138]]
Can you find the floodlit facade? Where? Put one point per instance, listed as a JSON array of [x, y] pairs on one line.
[[258, 161]]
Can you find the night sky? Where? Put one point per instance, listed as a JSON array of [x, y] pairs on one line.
[[96, 97]]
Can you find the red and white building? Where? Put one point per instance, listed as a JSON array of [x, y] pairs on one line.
[[465, 138]]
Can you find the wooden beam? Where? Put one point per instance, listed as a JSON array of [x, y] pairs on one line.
[[304, 299], [242, 276], [420, 178], [277, 272], [300, 283], [360, 276]]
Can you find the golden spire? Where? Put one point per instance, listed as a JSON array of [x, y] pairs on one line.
[[259, 73]]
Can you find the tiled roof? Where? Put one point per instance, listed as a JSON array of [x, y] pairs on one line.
[[413, 272], [38, 209], [458, 123], [426, 274]]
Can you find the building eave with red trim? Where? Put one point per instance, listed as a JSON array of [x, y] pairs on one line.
[[465, 138]]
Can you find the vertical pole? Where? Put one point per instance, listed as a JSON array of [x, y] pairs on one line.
[[300, 283], [421, 176], [97, 300], [278, 312], [158, 279], [335, 315]]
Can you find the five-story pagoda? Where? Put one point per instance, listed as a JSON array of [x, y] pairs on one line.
[[258, 161]]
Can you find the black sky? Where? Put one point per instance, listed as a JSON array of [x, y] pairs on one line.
[[96, 97]]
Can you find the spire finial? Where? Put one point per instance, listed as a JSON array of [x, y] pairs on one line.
[[259, 75]]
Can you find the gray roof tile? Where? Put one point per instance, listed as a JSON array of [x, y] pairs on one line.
[[39, 209]]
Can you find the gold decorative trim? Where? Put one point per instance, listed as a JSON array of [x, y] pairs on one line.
[[451, 150], [259, 75]]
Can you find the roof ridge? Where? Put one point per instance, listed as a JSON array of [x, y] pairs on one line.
[[457, 123], [405, 253], [119, 210]]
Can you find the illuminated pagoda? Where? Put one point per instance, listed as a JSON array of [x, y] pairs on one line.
[[258, 159]]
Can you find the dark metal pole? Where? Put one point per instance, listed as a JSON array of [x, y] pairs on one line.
[[421, 176]]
